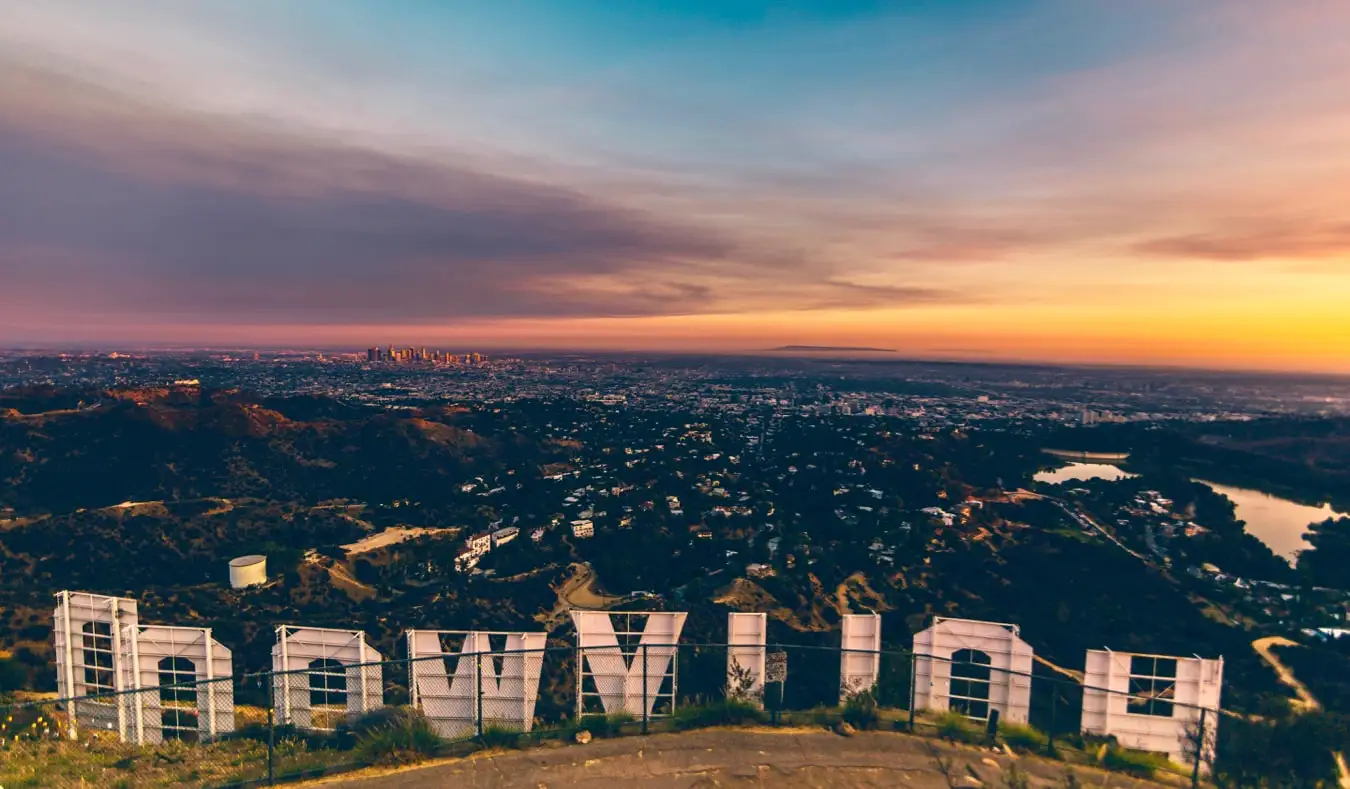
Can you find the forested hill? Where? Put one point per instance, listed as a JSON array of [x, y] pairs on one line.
[[61, 451]]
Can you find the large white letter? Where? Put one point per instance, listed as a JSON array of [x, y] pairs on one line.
[[973, 667], [184, 681], [746, 637], [626, 674], [1150, 702], [860, 654], [88, 633], [451, 702], [325, 675]]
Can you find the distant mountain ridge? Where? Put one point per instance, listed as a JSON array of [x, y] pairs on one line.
[[850, 348]]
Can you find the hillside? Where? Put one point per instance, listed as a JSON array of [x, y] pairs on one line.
[[136, 445], [149, 492]]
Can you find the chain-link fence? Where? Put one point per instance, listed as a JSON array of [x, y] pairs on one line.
[[274, 727]]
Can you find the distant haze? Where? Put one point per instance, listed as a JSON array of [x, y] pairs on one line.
[[832, 348]]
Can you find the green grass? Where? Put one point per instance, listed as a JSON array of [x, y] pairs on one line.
[[404, 738], [956, 727], [860, 711], [103, 762], [730, 712], [1023, 737], [500, 737], [605, 725], [1137, 763]]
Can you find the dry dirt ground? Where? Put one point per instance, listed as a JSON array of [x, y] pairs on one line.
[[741, 757]]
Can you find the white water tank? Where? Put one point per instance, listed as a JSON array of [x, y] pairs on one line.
[[248, 571]]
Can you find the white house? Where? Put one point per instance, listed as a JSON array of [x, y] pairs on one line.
[[479, 544]]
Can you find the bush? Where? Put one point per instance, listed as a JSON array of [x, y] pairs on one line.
[[500, 737], [956, 727], [1073, 739], [13, 676], [378, 718], [312, 740], [1136, 763], [729, 712], [404, 737], [1023, 737], [860, 711]]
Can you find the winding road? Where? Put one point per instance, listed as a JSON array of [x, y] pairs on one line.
[[1306, 701]]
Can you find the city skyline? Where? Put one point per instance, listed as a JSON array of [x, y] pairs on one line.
[[410, 353], [1024, 180]]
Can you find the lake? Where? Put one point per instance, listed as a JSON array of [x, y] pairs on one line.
[[1082, 471], [1279, 523]]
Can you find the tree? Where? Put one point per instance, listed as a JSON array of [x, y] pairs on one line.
[[1327, 562], [13, 675], [1290, 752]]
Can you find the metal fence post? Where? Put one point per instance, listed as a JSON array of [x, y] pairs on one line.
[[1199, 750], [1054, 726], [271, 729], [644, 686], [913, 683], [478, 685]]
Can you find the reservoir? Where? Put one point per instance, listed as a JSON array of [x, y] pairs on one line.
[[1279, 523], [1082, 471]]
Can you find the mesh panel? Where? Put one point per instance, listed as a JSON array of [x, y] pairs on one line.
[[190, 732]]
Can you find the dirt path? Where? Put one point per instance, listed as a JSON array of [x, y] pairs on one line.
[[392, 536], [222, 506], [343, 579], [580, 591], [744, 757], [1306, 701]]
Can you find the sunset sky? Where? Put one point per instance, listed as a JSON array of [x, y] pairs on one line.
[[1150, 181]]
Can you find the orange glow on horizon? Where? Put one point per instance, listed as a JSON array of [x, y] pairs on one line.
[[1268, 337]]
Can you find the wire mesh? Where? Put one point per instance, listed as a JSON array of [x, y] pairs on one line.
[[271, 727]]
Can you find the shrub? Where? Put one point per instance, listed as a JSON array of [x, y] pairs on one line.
[[742, 684], [1073, 739], [958, 728], [403, 738], [500, 737], [728, 712], [312, 740], [13, 676], [1023, 737], [378, 718], [860, 711], [1137, 763]]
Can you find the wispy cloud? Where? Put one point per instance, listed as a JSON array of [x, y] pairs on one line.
[[227, 163], [110, 198], [1257, 239]]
